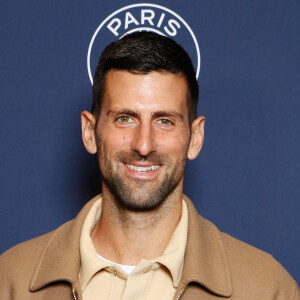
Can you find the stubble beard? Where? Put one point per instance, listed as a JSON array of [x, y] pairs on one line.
[[136, 194]]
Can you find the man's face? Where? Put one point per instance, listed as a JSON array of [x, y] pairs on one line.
[[143, 137]]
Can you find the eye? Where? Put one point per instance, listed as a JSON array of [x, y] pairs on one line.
[[165, 122], [124, 119]]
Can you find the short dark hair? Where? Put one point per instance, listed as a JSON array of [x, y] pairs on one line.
[[141, 53]]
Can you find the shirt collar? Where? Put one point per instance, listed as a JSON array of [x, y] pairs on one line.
[[90, 262], [172, 257]]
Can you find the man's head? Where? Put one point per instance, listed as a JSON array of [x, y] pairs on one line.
[[141, 53], [144, 123]]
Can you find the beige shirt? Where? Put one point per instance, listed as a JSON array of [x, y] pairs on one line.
[[151, 279]]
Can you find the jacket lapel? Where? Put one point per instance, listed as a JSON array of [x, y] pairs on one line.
[[205, 259], [60, 259]]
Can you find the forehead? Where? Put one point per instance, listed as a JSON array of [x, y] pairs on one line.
[[145, 92]]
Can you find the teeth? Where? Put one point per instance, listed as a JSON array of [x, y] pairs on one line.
[[142, 169]]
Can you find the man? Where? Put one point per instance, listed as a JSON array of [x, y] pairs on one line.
[[142, 238]]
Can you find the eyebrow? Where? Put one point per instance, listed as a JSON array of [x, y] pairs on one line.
[[125, 111], [173, 114], [155, 114]]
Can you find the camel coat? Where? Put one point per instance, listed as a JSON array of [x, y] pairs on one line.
[[216, 266]]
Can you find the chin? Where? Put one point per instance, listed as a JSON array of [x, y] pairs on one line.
[[139, 202]]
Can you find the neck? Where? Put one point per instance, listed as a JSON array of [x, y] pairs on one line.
[[126, 237]]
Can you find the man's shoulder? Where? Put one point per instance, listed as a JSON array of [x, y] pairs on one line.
[[242, 254], [28, 244], [18, 263], [237, 248], [24, 256], [248, 264]]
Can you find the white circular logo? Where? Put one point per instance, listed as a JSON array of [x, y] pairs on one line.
[[142, 17]]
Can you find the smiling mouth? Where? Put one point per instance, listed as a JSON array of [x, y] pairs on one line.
[[142, 169]]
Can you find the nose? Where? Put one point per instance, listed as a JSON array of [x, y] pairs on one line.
[[143, 141]]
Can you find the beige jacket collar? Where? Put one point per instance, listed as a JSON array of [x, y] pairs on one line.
[[205, 259], [60, 260]]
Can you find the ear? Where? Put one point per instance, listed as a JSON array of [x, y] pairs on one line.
[[88, 123], [197, 137]]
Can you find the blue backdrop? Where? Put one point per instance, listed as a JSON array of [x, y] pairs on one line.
[[246, 179]]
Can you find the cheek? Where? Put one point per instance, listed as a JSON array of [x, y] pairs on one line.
[[108, 149], [173, 144], [115, 140]]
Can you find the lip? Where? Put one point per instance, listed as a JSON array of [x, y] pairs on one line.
[[148, 175]]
